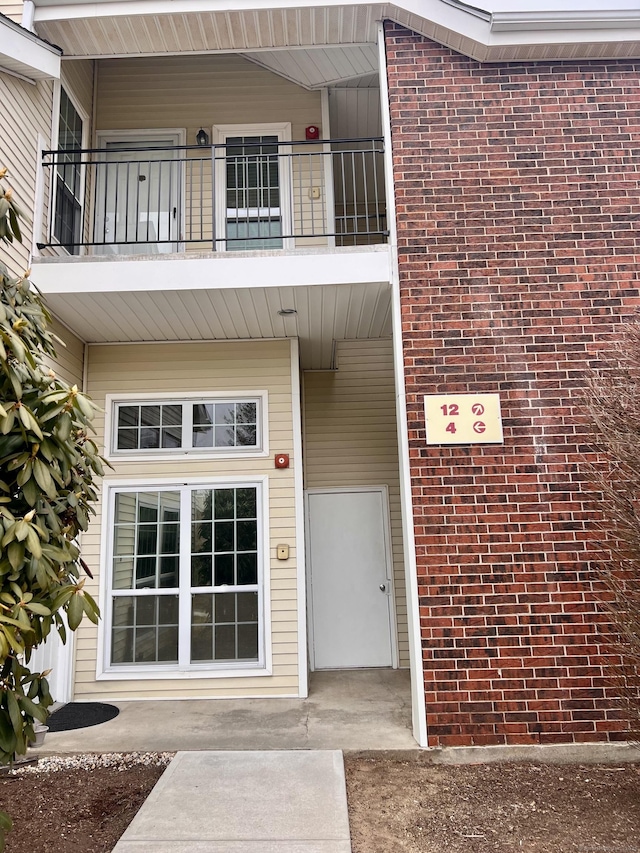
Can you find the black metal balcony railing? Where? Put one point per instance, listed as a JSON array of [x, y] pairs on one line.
[[250, 193]]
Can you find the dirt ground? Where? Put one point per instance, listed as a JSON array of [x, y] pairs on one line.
[[394, 805], [413, 806]]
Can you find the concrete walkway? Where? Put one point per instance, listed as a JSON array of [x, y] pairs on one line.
[[245, 802], [358, 709]]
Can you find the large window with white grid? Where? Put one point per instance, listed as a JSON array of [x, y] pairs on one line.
[[185, 578]]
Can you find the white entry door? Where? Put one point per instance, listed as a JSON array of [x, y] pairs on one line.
[[350, 578], [138, 196]]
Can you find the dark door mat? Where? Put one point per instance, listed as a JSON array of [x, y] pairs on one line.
[[81, 715]]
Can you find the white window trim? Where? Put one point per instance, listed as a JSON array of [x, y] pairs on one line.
[[59, 85], [165, 398], [263, 667], [282, 130]]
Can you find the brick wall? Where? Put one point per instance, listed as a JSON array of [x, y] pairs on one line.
[[517, 192]]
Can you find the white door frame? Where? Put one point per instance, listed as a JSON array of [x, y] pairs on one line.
[[383, 490], [282, 130], [179, 136]]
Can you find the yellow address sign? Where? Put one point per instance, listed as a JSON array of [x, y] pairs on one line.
[[463, 419]]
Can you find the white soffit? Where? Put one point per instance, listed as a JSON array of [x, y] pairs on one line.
[[487, 30], [319, 67], [23, 53], [324, 314]]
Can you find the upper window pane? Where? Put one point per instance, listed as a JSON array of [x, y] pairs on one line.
[[215, 425], [68, 203], [146, 542]]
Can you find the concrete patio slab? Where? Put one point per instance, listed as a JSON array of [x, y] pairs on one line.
[[249, 802], [358, 709]]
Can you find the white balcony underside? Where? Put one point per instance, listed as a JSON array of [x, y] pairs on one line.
[[341, 295], [141, 28]]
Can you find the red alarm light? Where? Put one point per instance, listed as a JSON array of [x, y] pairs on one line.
[[312, 132], [282, 460]]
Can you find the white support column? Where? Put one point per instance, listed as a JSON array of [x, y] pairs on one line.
[[411, 571]]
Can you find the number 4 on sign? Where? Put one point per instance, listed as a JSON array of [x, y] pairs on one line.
[[451, 428]]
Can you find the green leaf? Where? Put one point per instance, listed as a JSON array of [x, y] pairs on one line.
[[8, 620], [5, 822], [36, 711], [30, 492], [21, 530], [29, 422], [63, 427], [14, 712], [43, 478], [75, 611], [33, 543], [7, 423], [25, 473], [7, 735], [15, 227], [14, 642], [39, 609], [15, 553]]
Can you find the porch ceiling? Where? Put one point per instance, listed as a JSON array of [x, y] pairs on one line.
[[324, 314], [141, 27], [320, 67]]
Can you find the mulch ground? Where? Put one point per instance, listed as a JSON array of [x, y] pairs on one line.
[[73, 811]]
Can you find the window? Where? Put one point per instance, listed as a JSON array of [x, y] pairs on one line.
[[194, 425], [253, 196], [185, 578], [68, 188], [253, 193]]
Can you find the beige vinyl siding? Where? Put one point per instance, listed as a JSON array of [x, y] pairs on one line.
[[350, 440], [12, 10], [27, 109], [69, 358], [200, 368], [77, 78], [193, 92]]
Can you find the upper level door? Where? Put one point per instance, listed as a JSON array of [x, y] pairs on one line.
[[138, 194], [253, 209]]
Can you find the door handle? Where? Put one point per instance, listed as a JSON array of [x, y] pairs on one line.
[[383, 587]]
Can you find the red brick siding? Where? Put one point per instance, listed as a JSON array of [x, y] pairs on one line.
[[517, 193]]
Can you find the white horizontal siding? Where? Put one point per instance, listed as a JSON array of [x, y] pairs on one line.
[[204, 367], [350, 440]]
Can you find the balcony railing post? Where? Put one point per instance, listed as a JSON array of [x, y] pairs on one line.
[[214, 224]]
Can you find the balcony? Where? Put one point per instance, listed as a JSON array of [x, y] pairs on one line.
[[248, 193], [252, 237]]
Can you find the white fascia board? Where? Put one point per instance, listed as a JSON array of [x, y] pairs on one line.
[[610, 19], [444, 13], [26, 54], [154, 275], [474, 20]]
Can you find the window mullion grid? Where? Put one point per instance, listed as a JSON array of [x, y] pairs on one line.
[[187, 425], [184, 574]]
